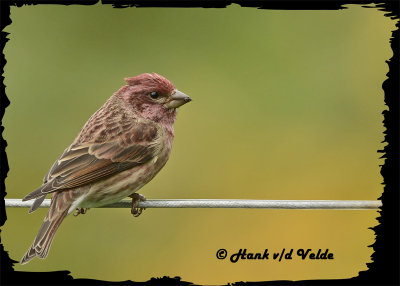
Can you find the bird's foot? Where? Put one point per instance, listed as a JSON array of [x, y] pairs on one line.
[[79, 211], [136, 198]]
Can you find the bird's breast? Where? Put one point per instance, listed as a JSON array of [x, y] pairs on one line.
[[123, 184]]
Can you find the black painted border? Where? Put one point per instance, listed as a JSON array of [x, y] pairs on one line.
[[385, 267]]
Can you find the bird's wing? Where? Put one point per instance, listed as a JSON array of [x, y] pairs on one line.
[[86, 162]]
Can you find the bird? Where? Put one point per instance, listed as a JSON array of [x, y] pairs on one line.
[[119, 149]]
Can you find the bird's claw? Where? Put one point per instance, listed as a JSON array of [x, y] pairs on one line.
[[79, 211], [136, 198]]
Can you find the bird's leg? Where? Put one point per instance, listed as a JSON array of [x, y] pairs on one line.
[[136, 198], [80, 211]]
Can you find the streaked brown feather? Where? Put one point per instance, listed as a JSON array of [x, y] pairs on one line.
[[73, 153], [87, 177], [60, 204], [91, 158], [128, 130], [37, 203], [66, 167]]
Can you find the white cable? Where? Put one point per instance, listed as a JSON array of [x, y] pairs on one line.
[[210, 203]]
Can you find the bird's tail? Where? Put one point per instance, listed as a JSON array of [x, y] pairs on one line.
[[41, 245]]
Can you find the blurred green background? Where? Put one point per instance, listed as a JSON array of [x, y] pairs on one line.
[[287, 105]]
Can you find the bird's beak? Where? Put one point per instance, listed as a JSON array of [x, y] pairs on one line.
[[177, 99]]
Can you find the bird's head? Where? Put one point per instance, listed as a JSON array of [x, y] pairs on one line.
[[153, 96]]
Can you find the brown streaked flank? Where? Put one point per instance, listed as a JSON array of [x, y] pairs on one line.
[[120, 148]]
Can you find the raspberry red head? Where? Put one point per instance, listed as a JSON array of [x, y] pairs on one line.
[[153, 96], [121, 148], [152, 81]]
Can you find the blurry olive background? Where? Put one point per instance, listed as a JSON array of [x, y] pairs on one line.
[[286, 105]]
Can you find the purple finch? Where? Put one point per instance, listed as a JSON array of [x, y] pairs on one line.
[[119, 149]]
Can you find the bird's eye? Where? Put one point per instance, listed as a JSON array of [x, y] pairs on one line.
[[154, 94]]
